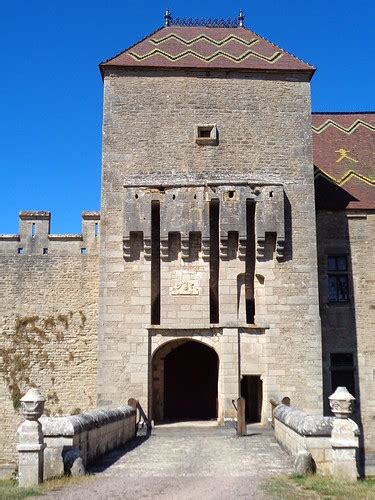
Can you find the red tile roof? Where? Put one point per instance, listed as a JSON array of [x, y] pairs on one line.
[[344, 157], [207, 48], [344, 143]]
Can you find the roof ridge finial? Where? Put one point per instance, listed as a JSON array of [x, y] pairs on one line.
[[241, 19], [167, 18]]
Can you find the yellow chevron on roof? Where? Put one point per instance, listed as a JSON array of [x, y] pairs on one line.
[[348, 130], [346, 177], [272, 59], [217, 43]]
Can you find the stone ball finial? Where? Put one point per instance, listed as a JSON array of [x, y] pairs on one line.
[[32, 404], [341, 402]]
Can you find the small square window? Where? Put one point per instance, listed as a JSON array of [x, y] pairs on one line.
[[20, 251], [204, 132], [206, 135], [45, 251], [83, 251]]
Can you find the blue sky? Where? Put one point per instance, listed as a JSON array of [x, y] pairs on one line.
[[51, 90]]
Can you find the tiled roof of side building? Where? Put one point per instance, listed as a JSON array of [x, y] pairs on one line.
[[203, 47], [344, 159]]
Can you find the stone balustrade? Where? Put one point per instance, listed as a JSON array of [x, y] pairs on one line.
[[78, 440], [331, 441], [53, 446]]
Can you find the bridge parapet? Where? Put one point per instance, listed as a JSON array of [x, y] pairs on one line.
[[84, 437], [70, 443], [331, 441]]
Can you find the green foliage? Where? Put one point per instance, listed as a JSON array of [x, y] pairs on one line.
[[83, 319], [9, 489], [64, 319], [27, 346], [320, 487], [328, 487], [16, 397]]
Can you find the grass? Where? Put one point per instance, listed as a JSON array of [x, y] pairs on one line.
[[9, 488], [320, 487]]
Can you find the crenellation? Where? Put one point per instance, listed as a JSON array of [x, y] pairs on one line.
[[34, 236]]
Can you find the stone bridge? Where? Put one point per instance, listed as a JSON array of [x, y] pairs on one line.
[[184, 459], [196, 460]]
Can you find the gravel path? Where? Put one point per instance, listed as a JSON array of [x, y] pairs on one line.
[[193, 462]]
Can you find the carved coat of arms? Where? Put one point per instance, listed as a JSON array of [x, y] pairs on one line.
[[184, 283]]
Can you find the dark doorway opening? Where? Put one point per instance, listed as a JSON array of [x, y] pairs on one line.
[[252, 391], [190, 382]]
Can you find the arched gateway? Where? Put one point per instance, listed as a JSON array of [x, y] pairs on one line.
[[185, 381]]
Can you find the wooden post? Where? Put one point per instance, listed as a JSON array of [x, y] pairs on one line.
[[241, 420], [133, 403]]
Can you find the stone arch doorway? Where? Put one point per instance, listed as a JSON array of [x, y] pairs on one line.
[[185, 381]]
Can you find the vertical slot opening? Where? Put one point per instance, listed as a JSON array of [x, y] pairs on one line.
[[214, 260], [174, 244], [33, 230], [250, 262], [232, 244], [195, 244], [155, 262], [96, 229]]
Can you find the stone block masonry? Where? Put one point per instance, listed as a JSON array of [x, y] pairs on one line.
[[48, 311], [299, 432], [90, 435], [150, 152]]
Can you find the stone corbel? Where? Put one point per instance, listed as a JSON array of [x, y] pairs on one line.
[[206, 249], [261, 247], [242, 245], [224, 247], [270, 219], [147, 247], [127, 249], [280, 248], [164, 249], [137, 219]]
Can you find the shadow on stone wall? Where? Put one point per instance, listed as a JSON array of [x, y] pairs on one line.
[[339, 330]]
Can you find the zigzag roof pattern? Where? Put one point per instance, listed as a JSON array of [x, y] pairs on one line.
[[202, 47], [344, 156]]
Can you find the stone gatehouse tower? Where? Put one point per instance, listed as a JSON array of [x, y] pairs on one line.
[[208, 272], [197, 281]]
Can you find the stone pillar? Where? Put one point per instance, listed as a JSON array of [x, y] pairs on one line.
[[30, 440], [343, 439], [229, 368]]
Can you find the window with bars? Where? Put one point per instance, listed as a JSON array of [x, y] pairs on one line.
[[338, 279]]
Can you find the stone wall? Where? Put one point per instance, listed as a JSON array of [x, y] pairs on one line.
[[89, 435], [48, 310], [264, 129], [349, 327], [296, 432]]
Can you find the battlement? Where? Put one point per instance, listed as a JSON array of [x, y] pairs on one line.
[[35, 238]]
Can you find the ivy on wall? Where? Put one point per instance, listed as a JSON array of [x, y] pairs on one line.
[[26, 345]]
